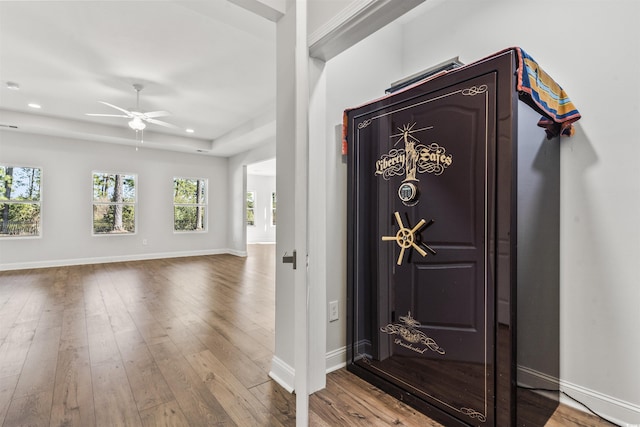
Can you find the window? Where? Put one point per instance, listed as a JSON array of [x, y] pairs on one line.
[[251, 204], [19, 201], [114, 203], [273, 208], [189, 204]]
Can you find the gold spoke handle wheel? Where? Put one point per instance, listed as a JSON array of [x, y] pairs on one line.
[[406, 238]]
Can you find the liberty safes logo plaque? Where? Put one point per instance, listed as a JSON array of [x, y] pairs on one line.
[[414, 158]]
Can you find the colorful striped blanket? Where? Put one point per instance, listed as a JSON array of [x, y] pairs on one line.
[[546, 96]]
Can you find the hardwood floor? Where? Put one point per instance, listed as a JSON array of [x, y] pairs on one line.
[[172, 342]]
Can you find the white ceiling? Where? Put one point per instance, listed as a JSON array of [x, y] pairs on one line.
[[211, 64]]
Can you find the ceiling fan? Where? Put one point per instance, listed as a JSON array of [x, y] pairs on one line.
[[139, 119]]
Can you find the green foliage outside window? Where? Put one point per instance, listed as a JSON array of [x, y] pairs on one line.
[[19, 201], [189, 204], [114, 198]]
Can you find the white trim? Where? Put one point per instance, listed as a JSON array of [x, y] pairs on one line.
[[123, 258], [621, 412], [340, 19], [235, 252], [528, 377], [611, 408], [354, 23], [317, 231], [282, 373], [336, 359], [272, 10], [305, 326]]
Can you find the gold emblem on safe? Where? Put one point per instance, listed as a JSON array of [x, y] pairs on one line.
[[414, 158], [409, 335]]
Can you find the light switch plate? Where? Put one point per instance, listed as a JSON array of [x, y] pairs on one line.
[[333, 311]]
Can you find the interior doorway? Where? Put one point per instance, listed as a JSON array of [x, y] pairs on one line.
[[261, 202]]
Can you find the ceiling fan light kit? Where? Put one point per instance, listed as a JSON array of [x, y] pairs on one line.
[[138, 120], [137, 124]]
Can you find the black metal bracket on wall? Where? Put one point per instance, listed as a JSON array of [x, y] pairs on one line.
[[291, 259]]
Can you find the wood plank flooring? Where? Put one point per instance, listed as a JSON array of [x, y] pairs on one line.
[[172, 342]]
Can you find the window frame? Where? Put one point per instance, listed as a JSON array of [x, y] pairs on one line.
[[205, 205], [253, 209], [134, 203], [39, 203], [274, 203]]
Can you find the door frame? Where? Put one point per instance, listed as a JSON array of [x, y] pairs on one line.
[[351, 25]]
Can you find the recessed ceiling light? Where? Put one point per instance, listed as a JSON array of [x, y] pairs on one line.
[[33, 105], [189, 130], [13, 86]]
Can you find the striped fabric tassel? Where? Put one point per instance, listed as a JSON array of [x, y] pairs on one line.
[[541, 92]]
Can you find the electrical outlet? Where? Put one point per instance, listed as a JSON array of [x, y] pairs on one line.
[[144, 241], [333, 311]]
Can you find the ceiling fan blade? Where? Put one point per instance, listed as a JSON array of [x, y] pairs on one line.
[[107, 115], [128, 113], [161, 123], [153, 114]]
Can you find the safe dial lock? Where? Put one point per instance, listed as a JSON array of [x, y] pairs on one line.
[[406, 237]]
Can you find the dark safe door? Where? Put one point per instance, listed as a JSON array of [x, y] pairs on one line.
[[421, 209]]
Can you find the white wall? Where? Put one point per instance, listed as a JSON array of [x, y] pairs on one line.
[[67, 167], [237, 190], [356, 76], [263, 229], [592, 48]]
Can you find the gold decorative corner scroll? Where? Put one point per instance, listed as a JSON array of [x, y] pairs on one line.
[[472, 413]]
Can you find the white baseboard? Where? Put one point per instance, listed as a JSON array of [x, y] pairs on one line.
[[121, 258], [283, 374], [236, 253], [336, 359], [616, 410], [528, 377]]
